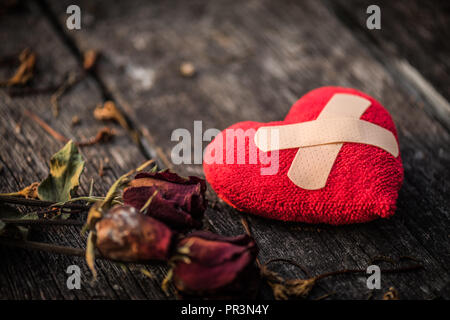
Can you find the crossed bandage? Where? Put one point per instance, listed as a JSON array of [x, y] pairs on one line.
[[319, 141]]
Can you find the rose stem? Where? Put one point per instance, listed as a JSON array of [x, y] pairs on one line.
[[43, 247], [44, 222], [38, 203]]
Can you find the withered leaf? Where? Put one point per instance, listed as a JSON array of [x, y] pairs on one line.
[[147, 273], [109, 111], [25, 71], [187, 69], [66, 167], [294, 288], [29, 192], [103, 135], [89, 59], [90, 253], [283, 289], [391, 294]]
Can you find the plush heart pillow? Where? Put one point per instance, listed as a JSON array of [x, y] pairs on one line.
[[362, 185]]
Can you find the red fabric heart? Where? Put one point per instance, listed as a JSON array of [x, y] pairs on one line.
[[363, 184]]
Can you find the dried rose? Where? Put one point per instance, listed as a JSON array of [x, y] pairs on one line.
[[216, 266], [125, 234], [180, 202]]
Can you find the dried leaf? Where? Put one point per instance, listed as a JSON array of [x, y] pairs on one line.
[[103, 135], [391, 294], [295, 288], [90, 253], [29, 192], [109, 111], [166, 281], [66, 167], [25, 71], [89, 59], [284, 289], [187, 69], [94, 215], [147, 273], [75, 120]]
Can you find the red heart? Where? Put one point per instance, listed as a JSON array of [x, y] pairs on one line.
[[363, 183]]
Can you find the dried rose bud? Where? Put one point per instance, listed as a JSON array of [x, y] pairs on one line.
[[216, 266], [180, 202], [127, 235]]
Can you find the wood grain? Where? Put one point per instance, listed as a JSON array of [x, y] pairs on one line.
[[253, 60], [25, 150], [410, 44]]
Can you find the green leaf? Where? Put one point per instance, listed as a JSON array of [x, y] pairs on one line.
[[8, 230], [8, 212], [66, 167]]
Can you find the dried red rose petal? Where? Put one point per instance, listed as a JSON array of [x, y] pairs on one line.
[[217, 266], [180, 202], [127, 235]]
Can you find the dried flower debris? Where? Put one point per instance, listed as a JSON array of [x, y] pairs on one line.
[[24, 72], [144, 218], [187, 69], [90, 58]]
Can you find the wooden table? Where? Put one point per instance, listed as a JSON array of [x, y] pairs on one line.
[[253, 59]]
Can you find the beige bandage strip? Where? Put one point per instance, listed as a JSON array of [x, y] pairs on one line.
[[312, 165], [326, 131], [320, 141]]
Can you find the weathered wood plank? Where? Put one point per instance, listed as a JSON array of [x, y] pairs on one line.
[[253, 60], [414, 30], [411, 44], [24, 155]]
